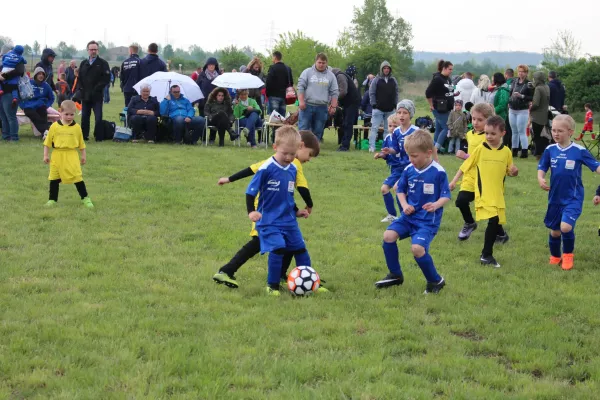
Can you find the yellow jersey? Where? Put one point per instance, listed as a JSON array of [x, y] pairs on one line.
[[474, 140], [65, 136], [65, 139]]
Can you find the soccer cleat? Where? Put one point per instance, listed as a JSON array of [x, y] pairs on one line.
[[434, 287], [87, 202], [390, 280], [322, 289], [501, 239], [50, 203], [273, 292], [466, 231], [223, 279], [555, 260], [389, 218], [489, 260], [567, 261]]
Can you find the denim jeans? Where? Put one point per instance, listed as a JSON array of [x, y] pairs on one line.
[[518, 123], [251, 122], [441, 128], [277, 104], [454, 145], [377, 118], [196, 124], [86, 113], [8, 116], [313, 119]]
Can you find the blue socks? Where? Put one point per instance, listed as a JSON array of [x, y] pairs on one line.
[[388, 200], [302, 259], [426, 265], [554, 244], [568, 240], [390, 251], [275, 264]]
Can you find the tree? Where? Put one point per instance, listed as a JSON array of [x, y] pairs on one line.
[[582, 81], [231, 57], [36, 48], [5, 40], [197, 53], [563, 49], [111, 45], [66, 51], [27, 50], [168, 52], [101, 48]]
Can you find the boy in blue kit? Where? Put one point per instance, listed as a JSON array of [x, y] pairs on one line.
[[566, 195], [276, 214], [422, 190]]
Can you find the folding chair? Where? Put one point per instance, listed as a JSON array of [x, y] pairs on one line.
[[593, 144], [208, 128]]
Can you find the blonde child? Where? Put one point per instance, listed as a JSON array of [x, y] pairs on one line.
[[393, 164]]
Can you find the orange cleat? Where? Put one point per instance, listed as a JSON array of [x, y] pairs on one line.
[[567, 262], [554, 260]]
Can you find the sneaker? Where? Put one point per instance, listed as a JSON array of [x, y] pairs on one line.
[[223, 279], [466, 231], [490, 260], [150, 141], [245, 132], [371, 150], [342, 149], [50, 203], [567, 261], [501, 239], [87, 202], [555, 260], [389, 218], [273, 292], [135, 141], [390, 280], [435, 287], [579, 137]]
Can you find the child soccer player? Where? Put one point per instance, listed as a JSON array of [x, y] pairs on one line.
[[64, 91], [457, 126], [422, 190], [588, 126], [275, 217], [492, 161], [65, 137], [394, 166], [309, 148], [565, 198], [9, 63], [475, 137]]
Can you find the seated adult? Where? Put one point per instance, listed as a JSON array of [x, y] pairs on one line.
[[180, 111], [142, 113], [248, 112], [219, 113], [36, 108]]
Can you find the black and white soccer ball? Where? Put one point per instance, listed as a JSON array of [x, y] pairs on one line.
[[303, 281]]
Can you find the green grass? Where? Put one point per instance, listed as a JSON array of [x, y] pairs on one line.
[[118, 302]]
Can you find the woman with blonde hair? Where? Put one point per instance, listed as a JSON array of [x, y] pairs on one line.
[[255, 67], [481, 94]]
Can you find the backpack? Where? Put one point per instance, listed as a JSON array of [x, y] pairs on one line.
[[25, 88], [425, 123], [104, 130]]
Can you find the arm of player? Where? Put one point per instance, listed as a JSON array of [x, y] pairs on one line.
[[83, 156], [512, 170], [407, 209], [46, 155], [597, 197], [542, 180], [305, 194], [432, 207], [245, 173], [456, 178], [462, 155], [254, 215]]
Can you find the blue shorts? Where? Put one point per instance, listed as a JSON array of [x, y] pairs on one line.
[[557, 214], [420, 235], [393, 178], [274, 238]]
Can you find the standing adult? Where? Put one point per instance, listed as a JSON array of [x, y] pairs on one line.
[[317, 95], [62, 67], [116, 72], [521, 94], [8, 109], [509, 74], [94, 75], [151, 63], [383, 94], [36, 108], [501, 104], [279, 78], [255, 67], [130, 73], [440, 96], [349, 100], [70, 74], [481, 94], [48, 56], [539, 114], [143, 111], [557, 92], [209, 73], [466, 87]]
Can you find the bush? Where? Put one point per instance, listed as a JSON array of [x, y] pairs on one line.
[[582, 83]]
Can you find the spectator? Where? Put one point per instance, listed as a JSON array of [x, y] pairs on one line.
[[248, 113], [143, 112], [94, 75], [317, 95], [367, 82], [107, 89], [465, 87], [521, 95], [351, 72], [116, 72], [501, 104], [481, 94], [130, 73], [62, 67], [219, 113], [63, 89], [255, 68], [70, 74], [243, 68], [181, 113], [279, 78], [539, 114], [209, 73], [509, 75], [196, 73], [383, 94], [151, 63], [8, 109], [349, 99], [47, 59], [440, 95], [557, 92], [365, 107], [36, 108]]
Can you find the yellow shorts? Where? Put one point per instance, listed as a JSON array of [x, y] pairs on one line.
[[254, 232], [490, 212], [65, 166]]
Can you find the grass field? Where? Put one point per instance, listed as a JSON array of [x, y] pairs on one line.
[[118, 302]]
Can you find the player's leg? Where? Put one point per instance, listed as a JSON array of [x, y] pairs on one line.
[[388, 200], [272, 241], [463, 201], [226, 274], [487, 257], [53, 192], [82, 190], [567, 230], [399, 229], [552, 222], [501, 235], [420, 249]]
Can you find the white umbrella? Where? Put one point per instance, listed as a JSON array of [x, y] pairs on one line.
[[161, 83], [238, 80]]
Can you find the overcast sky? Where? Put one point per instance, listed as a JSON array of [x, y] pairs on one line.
[[437, 25]]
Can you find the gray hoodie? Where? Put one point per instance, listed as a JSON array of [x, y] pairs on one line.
[[318, 87], [390, 99]]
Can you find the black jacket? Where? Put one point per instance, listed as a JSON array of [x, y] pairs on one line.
[[441, 88], [151, 64], [70, 76], [526, 89], [137, 103], [47, 67], [278, 80], [557, 94], [352, 96], [92, 80], [130, 73], [18, 71]]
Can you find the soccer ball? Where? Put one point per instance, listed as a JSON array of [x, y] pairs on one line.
[[303, 281]]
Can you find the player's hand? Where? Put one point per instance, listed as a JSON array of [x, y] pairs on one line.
[[452, 185], [461, 154], [513, 170], [376, 156], [46, 160], [302, 213], [596, 200], [387, 151], [543, 184], [430, 207], [223, 181], [408, 210], [83, 160], [255, 216], [309, 209]]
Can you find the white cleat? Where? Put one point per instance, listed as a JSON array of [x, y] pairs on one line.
[[389, 218]]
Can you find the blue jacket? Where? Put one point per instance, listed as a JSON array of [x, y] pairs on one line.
[[137, 103], [130, 73], [557, 94], [151, 64], [365, 104], [43, 96], [11, 60], [180, 107]]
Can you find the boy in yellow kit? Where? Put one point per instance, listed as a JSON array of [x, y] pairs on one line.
[[65, 137]]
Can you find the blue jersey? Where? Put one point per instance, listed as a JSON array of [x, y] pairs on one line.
[[389, 142], [566, 186], [401, 154], [422, 187], [275, 184]]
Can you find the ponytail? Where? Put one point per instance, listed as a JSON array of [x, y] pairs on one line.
[[443, 64]]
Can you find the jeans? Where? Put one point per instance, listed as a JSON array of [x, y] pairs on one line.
[[196, 124], [8, 116], [378, 117], [107, 94], [350, 118], [518, 123], [454, 145], [144, 123], [313, 119], [277, 104], [86, 113], [441, 128], [251, 122]]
